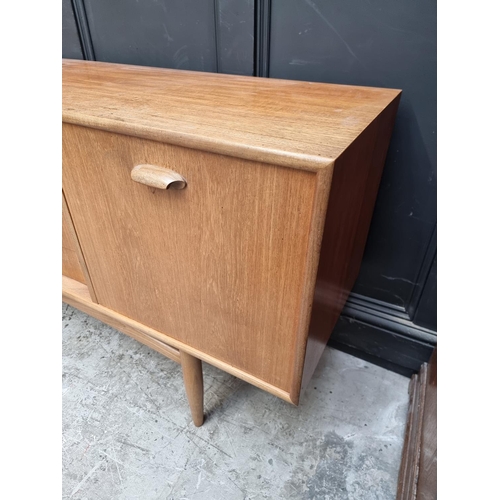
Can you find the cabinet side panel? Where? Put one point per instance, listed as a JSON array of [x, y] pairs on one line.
[[356, 178]]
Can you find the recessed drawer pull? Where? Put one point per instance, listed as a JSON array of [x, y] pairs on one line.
[[158, 177]]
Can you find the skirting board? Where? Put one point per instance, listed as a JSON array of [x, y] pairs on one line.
[[401, 353]]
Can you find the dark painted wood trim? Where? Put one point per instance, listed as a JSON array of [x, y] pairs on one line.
[[71, 5], [393, 367], [216, 34], [386, 316], [382, 346], [423, 275], [356, 299], [262, 37], [83, 29]]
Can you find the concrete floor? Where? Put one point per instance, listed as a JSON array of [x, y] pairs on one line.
[[127, 431]]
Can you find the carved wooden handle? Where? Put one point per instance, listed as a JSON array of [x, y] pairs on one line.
[[158, 177]]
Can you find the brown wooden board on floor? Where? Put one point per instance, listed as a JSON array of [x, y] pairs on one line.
[[418, 472]]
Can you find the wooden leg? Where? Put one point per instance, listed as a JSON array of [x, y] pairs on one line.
[[193, 382]]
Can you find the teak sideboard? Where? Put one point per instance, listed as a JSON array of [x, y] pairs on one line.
[[218, 218]]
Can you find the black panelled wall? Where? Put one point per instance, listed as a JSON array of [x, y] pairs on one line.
[[390, 318], [71, 45]]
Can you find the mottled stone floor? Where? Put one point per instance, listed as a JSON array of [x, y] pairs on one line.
[[127, 432]]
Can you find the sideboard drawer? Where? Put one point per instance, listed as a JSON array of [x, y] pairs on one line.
[[219, 265]]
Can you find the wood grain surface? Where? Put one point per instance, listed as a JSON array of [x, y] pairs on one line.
[[193, 382], [157, 177], [70, 264], [356, 178], [74, 264], [250, 264], [77, 295], [427, 468], [302, 124], [220, 265]]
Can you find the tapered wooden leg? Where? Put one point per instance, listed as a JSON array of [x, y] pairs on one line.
[[193, 382]]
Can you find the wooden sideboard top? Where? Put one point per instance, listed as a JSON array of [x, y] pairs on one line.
[[291, 123]]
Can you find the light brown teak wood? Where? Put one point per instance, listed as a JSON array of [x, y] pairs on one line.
[[193, 381], [157, 177], [77, 295], [73, 265], [248, 266]]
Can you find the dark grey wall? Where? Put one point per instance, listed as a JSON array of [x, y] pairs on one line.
[[391, 314], [198, 35], [388, 43], [71, 46]]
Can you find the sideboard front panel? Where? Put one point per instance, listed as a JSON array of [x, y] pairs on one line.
[[219, 265], [70, 264]]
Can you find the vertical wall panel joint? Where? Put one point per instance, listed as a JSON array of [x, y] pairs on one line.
[[423, 275], [262, 37], [216, 33], [83, 29]]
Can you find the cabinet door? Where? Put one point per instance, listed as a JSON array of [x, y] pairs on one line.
[[219, 265], [70, 264]]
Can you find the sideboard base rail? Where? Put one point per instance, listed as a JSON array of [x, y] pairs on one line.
[[77, 295]]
